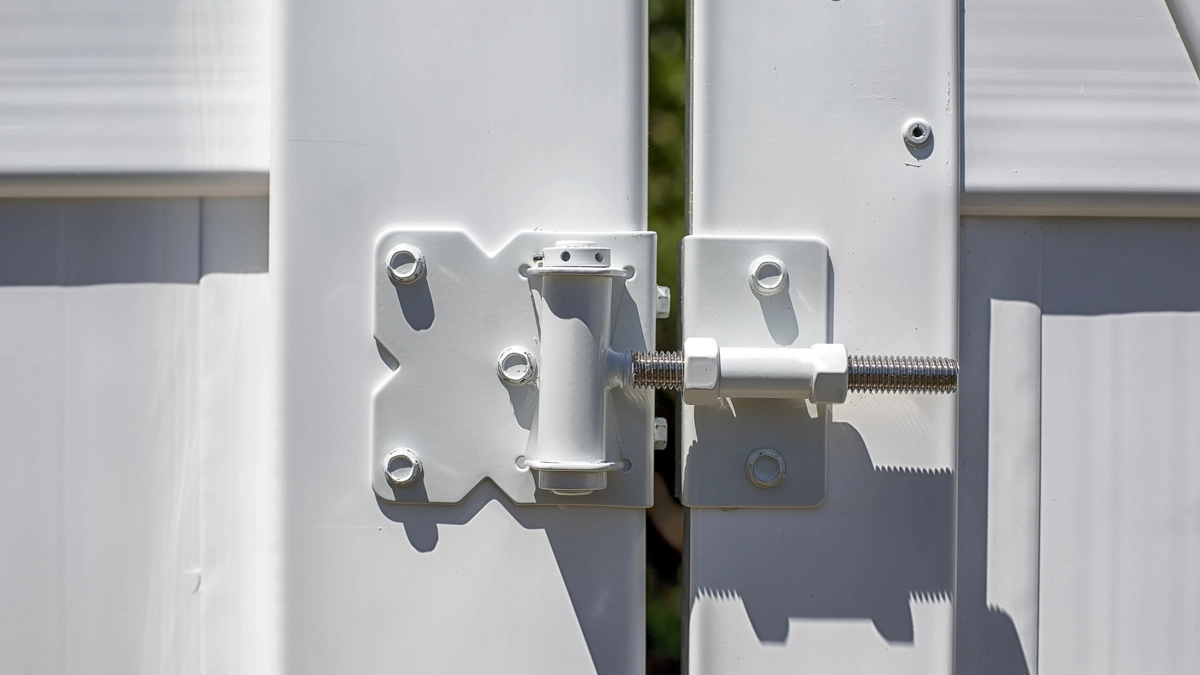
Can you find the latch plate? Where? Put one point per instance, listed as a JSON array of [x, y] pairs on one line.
[[442, 335], [720, 299]]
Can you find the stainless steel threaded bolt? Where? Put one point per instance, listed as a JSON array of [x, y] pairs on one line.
[[658, 370], [903, 374]]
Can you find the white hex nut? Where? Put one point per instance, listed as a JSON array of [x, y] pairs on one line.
[[662, 303], [660, 433], [831, 376], [701, 371]]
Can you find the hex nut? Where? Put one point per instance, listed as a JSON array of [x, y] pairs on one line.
[[405, 264], [768, 275], [701, 371], [660, 433], [831, 373], [662, 303], [765, 468], [917, 132], [516, 366], [402, 467]]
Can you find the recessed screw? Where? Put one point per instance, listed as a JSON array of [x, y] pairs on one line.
[[765, 468], [917, 132], [516, 366], [402, 467], [768, 275], [405, 264]]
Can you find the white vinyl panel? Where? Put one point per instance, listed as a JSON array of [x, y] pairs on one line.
[[1120, 530], [240, 486], [1120, 539], [1014, 456], [130, 451], [493, 117], [796, 111], [1078, 105], [137, 455], [134, 87], [998, 516], [33, 478]]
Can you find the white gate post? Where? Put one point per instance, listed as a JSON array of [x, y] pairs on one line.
[[493, 118], [797, 111]]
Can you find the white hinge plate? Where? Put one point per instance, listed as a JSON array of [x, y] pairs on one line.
[[717, 302], [443, 400]]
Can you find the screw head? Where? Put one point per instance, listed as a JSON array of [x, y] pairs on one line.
[[405, 264], [402, 467], [768, 275], [917, 132], [765, 468], [516, 366]]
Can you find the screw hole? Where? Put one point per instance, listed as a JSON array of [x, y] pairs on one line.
[[599, 257], [626, 466], [918, 132], [565, 256], [630, 272]]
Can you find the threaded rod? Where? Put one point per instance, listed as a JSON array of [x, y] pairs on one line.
[[903, 374], [658, 370]]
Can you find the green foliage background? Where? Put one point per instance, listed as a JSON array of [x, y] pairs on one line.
[[666, 213], [667, 156]]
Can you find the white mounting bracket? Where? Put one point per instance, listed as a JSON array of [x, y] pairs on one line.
[[465, 332], [749, 293]]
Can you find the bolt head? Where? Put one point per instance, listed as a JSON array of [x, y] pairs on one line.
[[660, 433], [831, 374], [662, 303], [917, 132], [402, 467], [701, 371], [516, 366], [768, 275], [765, 468], [405, 264]]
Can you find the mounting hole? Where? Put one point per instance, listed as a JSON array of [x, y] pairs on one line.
[[768, 275], [523, 270], [516, 366], [565, 256], [630, 272], [521, 463], [765, 468], [626, 466], [402, 467]]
